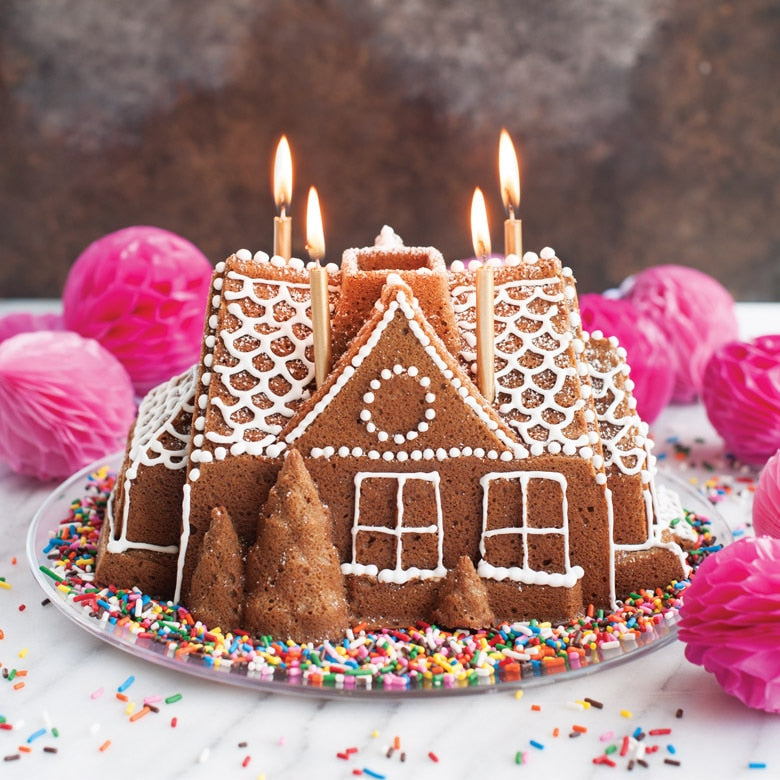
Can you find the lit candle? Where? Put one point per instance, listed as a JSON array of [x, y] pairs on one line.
[[480, 238], [509, 174], [318, 278], [283, 176]]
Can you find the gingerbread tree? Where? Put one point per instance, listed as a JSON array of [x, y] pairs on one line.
[[294, 583]]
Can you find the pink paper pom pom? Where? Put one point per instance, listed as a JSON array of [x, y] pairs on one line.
[[26, 322], [645, 346], [741, 394], [693, 311], [64, 402], [141, 292], [730, 620], [766, 499]]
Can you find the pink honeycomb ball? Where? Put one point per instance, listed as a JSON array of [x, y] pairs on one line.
[[694, 312], [645, 346], [766, 500], [141, 292], [741, 393], [65, 401]]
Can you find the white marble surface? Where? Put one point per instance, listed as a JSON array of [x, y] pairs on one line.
[[290, 736]]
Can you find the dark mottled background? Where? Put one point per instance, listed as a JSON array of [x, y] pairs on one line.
[[649, 131]]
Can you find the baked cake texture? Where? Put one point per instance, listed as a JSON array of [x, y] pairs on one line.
[[394, 492]]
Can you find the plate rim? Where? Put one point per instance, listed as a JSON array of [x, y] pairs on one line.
[[156, 652]]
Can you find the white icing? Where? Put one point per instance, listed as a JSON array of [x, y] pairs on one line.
[[523, 572], [397, 575], [526, 332], [388, 238], [155, 422], [282, 316]]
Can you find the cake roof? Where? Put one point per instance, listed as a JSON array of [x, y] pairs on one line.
[[421, 358]]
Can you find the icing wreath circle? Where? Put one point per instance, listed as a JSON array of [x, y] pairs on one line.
[[370, 398]]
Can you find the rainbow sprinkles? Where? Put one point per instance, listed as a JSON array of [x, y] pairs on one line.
[[414, 658]]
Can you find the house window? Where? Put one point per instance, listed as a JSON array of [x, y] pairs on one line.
[[525, 529], [397, 531]]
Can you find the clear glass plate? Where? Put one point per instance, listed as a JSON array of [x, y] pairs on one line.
[[56, 508]]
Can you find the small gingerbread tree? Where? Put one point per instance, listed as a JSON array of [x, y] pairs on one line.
[[217, 589], [463, 599]]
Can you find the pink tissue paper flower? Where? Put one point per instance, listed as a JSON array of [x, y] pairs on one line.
[[645, 345], [26, 322], [766, 499], [741, 394], [694, 312], [141, 292], [64, 402], [730, 620]]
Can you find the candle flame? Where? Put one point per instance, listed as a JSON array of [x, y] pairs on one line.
[[283, 176], [509, 173], [480, 233], [315, 239]]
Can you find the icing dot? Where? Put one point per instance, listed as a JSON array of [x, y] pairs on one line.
[[383, 436], [441, 453], [244, 254], [554, 447], [368, 398], [357, 452], [428, 453], [548, 253], [343, 451], [387, 455], [402, 456]]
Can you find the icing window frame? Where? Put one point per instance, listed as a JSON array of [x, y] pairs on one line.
[[525, 573], [398, 530]]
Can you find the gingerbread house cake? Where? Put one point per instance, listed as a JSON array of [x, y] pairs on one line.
[[394, 491]]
